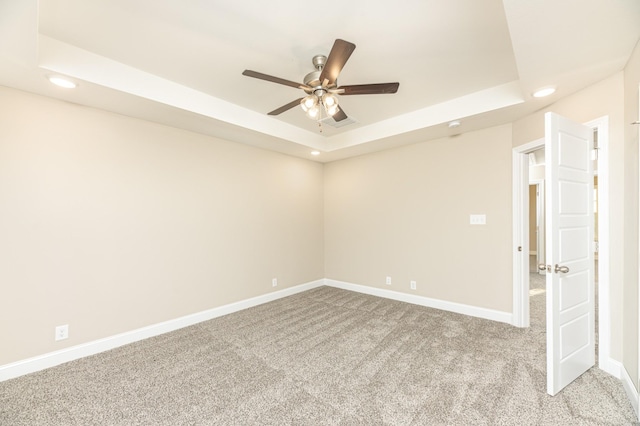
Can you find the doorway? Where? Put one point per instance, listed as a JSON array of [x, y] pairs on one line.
[[537, 282], [522, 247], [536, 209]]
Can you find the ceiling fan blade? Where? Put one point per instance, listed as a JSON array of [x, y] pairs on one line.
[[340, 115], [340, 53], [273, 79], [286, 107], [368, 89]]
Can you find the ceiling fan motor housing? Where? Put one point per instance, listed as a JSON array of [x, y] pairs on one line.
[[313, 78], [319, 61]]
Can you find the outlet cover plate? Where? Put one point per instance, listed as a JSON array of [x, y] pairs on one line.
[[62, 332]]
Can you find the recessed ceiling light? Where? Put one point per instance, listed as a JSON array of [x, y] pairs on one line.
[[315, 152], [63, 82], [453, 124], [545, 91]]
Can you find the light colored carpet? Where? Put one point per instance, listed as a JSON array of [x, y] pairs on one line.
[[323, 357]]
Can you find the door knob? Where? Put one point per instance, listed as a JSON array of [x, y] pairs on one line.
[[542, 267], [563, 269]]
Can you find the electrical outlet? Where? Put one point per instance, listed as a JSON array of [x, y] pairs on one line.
[[274, 282], [62, 332], [412, 284], [388, 281]]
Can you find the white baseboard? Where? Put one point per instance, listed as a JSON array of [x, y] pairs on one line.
[[610, 366], [444, 305], [51, 359], [629, 388]]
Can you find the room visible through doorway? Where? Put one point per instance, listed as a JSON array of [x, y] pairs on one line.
[[537, 281]]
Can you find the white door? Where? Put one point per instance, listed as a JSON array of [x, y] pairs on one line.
[[569, 254]]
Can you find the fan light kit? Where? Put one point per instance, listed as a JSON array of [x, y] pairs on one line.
[[321, 86], [320, 98]]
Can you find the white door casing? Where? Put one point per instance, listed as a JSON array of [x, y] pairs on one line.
[[569, 237]]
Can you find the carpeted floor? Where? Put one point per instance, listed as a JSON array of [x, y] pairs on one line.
[[323, 357]]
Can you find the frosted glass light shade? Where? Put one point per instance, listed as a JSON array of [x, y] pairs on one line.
[[313, 111], [308, 102]]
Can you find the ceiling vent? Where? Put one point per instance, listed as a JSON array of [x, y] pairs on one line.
[[329, 121]]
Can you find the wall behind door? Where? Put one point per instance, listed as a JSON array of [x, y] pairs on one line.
[[404, 213]]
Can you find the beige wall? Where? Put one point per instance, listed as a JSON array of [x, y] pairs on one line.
[[604, 98], [404, 213], [109, 223], [630, 324]]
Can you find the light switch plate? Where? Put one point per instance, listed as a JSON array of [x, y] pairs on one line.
[[478, 219]]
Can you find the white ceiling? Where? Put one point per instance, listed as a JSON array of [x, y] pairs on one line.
[[180, 63]]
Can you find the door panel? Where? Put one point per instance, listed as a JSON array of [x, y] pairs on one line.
[[571, 294], [575, 336], [574, 153], [573, 198], [569, 232], [574, 244]]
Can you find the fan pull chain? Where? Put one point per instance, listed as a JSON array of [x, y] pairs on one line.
[[320, 126]]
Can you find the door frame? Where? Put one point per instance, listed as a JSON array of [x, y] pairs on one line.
[[520, 260]]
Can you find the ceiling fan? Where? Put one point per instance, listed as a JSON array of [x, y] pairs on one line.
[[321, 86]]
